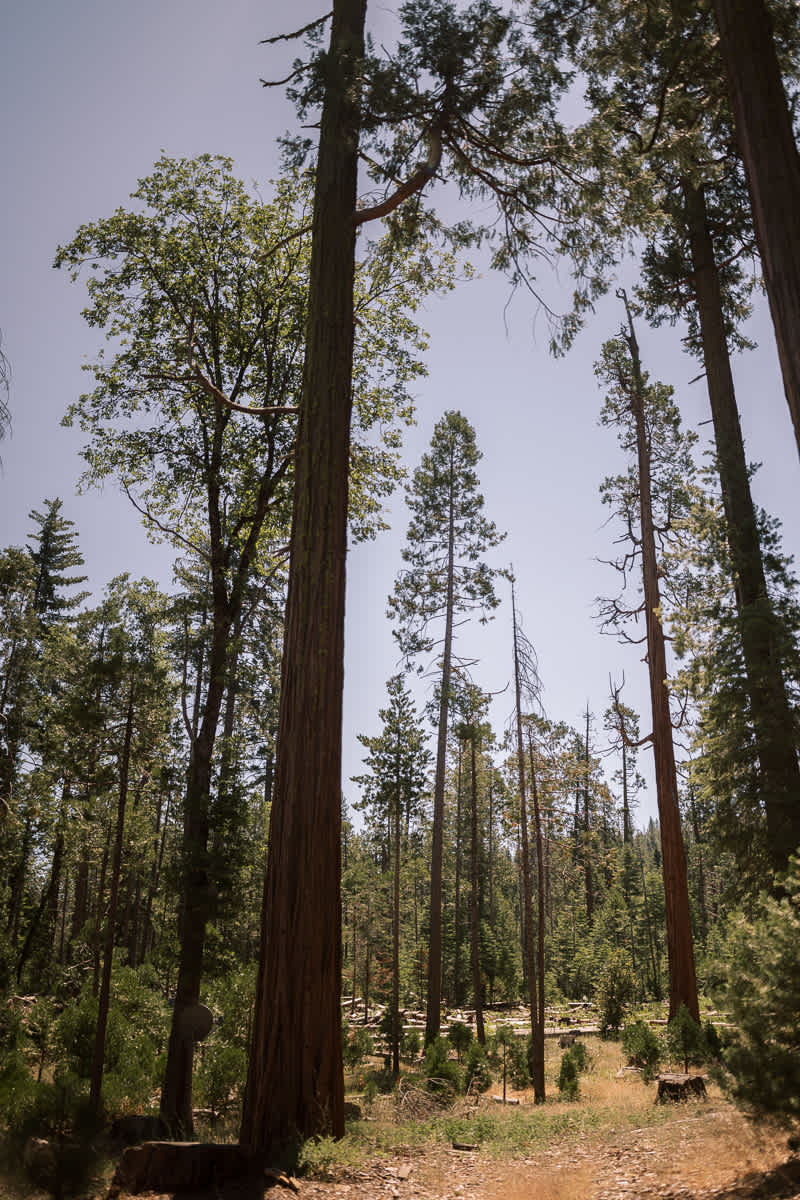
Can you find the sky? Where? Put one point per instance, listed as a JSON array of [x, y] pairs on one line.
[[92, 92]]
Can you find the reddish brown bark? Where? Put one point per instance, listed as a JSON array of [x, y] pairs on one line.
[[772, 165], [295, 1086], [682, 977], [770, 711]]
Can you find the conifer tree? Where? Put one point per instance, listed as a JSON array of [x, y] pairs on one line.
[[442, 580], [647, 500], [398, 761]]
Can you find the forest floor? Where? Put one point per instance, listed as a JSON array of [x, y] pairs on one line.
[[613, 1143]]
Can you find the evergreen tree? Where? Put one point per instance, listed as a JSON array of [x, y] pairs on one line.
[[647, 500], [398, 761], [443, 578]]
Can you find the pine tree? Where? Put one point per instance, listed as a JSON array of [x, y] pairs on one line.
[[398, 761], [648, 500], [443, 578]]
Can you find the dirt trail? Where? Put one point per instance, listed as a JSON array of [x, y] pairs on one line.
[[711, 1154]]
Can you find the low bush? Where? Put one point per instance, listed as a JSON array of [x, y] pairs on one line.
[[643, 1048], [568, 1085]]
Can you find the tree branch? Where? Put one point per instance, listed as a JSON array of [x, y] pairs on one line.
[[424, 172]]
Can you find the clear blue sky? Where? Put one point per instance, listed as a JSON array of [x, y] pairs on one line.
[[92, 92]]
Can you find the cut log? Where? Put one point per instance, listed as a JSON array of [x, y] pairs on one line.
[[180, 1166]]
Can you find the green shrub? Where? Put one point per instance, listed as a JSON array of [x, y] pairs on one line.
[[411, 1045], [643, 1048], [616, 988], [519, 1069], [568, 1077], [582, 1057], [220, 1076], [356, 1045], [477, 1075], [762, 995], [684, 1040], [442, 1074], [459, 1036]]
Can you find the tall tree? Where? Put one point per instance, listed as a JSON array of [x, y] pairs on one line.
[[398, 761], [526, 688], [196, 416], [443, 579], [647, 500]]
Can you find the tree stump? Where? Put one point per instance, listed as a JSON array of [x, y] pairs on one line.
[[673, 1087]]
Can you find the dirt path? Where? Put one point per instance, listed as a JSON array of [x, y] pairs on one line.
[[710, 1154]]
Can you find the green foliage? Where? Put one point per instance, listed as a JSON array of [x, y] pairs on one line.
[[568, 1084], [220, 1076], [616, 989], [762, 996], [460, 1038], [357, 1044], [643, 1048], [477, 1075], [442, 1074], [583, 1060], [59, 1115], [684, 1040], [411, 1044]]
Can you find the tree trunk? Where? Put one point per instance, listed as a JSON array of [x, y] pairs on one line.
[[682, 978], [455, 995], [537, 1018], [772, 165], [770, 712], [588, 882], [474, 917], [199, 892], [537, 825], [396, 941], [98, 1058], [295, 1086]]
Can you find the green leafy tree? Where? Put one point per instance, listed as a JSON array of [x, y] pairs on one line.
[[203, 295], [443, 578]]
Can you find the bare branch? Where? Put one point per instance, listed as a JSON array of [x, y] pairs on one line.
[[298, 33]]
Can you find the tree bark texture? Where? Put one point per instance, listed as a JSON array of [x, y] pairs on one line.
[[772, 165], [295, 1086], [682, 977], [770, 712]]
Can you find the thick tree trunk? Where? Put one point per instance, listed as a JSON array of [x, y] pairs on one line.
[[770, 712], [772, 165], [295, 1086], [682, 978], [98, 1058], [434, 998], [477, 991]]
